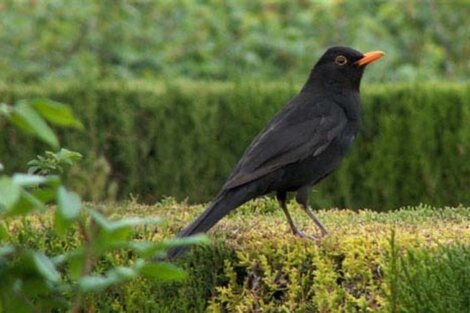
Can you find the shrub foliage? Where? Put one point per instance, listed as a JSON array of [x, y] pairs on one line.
[[371, 262], [182, 139], [223, 40], [32, 279]]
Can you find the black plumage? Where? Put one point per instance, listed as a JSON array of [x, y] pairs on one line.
[[301, 145]]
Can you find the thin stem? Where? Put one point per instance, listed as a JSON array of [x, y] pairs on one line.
[[88, 262]]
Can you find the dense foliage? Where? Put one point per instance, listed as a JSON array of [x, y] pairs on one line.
[[170, 136], [152, 140], [49, 39], [431, 280], [371, 262], [35, 279]]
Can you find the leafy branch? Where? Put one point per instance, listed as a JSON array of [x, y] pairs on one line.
[[33, 281]]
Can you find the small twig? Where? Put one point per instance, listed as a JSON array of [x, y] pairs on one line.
[[88, 263]]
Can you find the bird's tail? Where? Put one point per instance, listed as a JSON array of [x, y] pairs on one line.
[[221, 206]]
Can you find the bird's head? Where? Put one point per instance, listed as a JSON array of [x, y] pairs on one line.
[[343, 66]]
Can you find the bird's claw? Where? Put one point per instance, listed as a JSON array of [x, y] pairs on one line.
[[301, 234]]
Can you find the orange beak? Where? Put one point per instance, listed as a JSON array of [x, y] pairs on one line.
[[370, 57]]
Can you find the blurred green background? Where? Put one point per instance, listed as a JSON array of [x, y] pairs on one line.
[[172, 91], [43, 40]]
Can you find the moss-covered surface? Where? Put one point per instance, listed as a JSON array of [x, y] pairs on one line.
[[256, 265]]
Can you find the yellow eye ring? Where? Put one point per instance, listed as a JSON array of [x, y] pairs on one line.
[[341, 60]]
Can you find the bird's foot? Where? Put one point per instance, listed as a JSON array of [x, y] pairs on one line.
[[301, 234]]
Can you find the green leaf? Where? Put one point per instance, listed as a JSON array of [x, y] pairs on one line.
[[116, 234], [122, 223], [75, 265], [186, 241], [69, 204], [3, 231], [27, 119], [151, 248], [27, 180], [45, 267], [61, 225], [108, 238], [115, 276], [134, 221], [68, 209], [68, 157], [56, 113], [46, 194], [28, 202], [144, 248], [123, 272], [68, 257], [99, 219], [9, 193], [16, 304], [162, 271], [95, 283], [6, 250], [36, 203], [5, 109]]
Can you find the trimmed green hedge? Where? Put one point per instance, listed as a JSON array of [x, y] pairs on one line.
[[182, 139], [431, 281], [410, 260]]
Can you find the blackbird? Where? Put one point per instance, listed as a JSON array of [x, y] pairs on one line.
[[300, 146]]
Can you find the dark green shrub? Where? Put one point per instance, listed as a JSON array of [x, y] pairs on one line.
[[183, 139], [431, 281]]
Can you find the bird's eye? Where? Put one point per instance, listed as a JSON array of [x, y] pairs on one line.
[[341, 60]]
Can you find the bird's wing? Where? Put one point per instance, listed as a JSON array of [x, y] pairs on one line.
[[302, 129]]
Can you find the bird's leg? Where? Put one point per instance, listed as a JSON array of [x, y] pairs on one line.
[[282, 197], [302, 199]]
